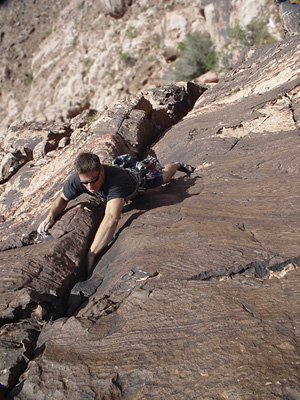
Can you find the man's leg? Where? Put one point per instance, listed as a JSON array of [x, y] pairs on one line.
[[169, 171]]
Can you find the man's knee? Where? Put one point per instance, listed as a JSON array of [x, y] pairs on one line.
[[169, 171]]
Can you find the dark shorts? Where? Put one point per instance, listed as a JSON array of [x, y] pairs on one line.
[[153, 183]]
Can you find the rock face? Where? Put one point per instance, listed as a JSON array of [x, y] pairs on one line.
[[29, 141], [116, 8], [128, 127], [198, 295], [290, 15]]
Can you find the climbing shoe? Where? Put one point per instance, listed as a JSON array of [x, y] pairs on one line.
[[188, 169]]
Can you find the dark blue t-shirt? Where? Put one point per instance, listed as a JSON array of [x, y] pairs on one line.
[[118, 184]]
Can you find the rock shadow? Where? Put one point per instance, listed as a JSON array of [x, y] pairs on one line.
[[172, 193]]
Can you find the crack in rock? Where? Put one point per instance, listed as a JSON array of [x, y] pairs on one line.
[[117, 382], [255, 269], [135, 278], [19, 344], [295, 110]]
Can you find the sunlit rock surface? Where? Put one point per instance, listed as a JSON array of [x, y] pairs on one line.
[[198, 295]]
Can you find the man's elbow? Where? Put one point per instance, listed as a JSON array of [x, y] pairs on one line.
[[63, 198]]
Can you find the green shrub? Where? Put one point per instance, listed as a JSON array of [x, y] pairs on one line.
[[87, 62], [196, 56], [28, 78], [131, 32], [238, 36], [258, 33], [128, 59], [255, 33], [47, 33]]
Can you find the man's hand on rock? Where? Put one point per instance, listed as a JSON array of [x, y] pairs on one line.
[[57, 208], [46, 224]]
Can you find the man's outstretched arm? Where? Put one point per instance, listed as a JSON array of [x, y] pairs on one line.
[[56, 209], [106, 229]]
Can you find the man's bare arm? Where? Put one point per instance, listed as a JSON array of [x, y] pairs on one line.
[[56, 209], [106, 229]]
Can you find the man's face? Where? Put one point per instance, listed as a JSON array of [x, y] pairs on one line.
[[92, 180]]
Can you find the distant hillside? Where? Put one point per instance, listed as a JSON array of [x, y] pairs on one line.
[[61, 56]]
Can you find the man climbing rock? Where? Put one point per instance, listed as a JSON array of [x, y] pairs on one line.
[[114, 186]]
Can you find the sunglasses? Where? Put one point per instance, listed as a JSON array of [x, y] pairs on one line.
[[94, 180]]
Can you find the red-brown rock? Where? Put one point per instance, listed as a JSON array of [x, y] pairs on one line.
[[198, 295]]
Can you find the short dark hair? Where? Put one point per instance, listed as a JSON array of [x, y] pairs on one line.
[[87, 162]]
